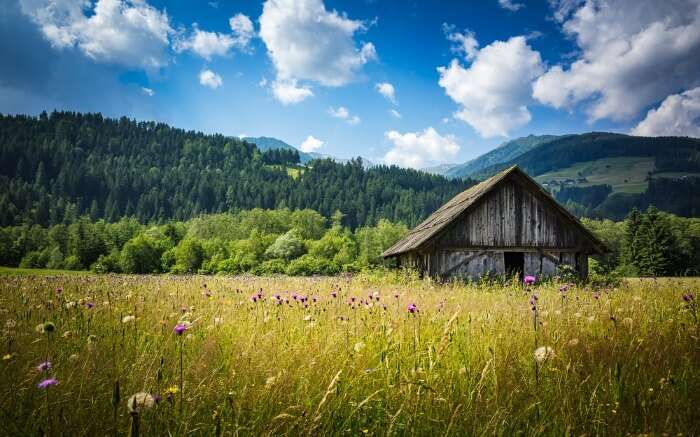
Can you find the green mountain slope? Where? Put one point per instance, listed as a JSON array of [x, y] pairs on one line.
[[605, 174], [56, 167], [503, 153]]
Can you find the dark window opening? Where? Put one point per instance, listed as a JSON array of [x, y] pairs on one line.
[[514, 264]]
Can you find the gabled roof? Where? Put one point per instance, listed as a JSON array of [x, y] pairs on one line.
[[448, 212]]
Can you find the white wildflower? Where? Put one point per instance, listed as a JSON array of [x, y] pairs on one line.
[[139, 402], [128, 319], [543, 353], [359, 346]]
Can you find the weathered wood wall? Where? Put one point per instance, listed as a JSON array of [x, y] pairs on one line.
[[473, 264], [511, 217]]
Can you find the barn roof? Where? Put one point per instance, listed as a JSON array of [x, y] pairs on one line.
[[448, 212]]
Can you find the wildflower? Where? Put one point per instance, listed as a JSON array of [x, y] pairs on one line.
[[596, 295], [270, 381], [334, 294], [45, 328], [59, 290], [543, 353], [529, 280], [89, 305], [43, 367], [218, 320], [359, 346], [139, 402], [533, 302], [48, 382], [564, 288], [128, 319], [412, 308], [8, 357], [688, 297], [180, 328], [9, 324]]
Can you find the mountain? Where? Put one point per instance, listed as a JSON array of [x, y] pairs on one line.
[[503, 153], [440, 169], [606, 174], [57, 167], [269, 143]]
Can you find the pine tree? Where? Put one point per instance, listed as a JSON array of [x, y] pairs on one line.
[[655, 240], [630, 250]]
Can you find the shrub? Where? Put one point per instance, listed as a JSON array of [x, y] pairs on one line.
[[308, 265]]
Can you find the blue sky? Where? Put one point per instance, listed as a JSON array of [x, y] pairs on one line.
[[415, 83]]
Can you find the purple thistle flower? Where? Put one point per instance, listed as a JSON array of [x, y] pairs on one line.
[[48, 382], [564, 288], [688, 297], [334, 294], [157, 398], [180, 328], [59, 290], [89, 305], [529, 280], [254, 298], [43, 367], [533, 302], [412, 308], [352, 299], [396, 295], [596, 295]]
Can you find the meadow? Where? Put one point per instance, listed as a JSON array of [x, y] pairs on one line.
[[375, 354]]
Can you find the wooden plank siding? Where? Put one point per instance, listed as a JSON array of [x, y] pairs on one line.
[[467, 237], [511, 216]]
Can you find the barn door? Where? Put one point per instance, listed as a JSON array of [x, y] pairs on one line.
[[514, 263]]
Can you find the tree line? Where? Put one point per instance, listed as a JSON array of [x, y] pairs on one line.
[[300, 242], [57, 167]]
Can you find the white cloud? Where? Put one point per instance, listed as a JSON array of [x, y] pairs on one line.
[[395, 113], [242, 29], [287, 91], [311, 144], [209, 44], [416, 149], [510, 5], [633, 53], [147, 91], [678, 115], [387, 90], [342, 113], [466, 42], [126, 32], [339, 112], [494, 91], [210, 79], [307, 42]]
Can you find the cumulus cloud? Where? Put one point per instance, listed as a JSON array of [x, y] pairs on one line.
[[148, 91], [126, 32], [678, 115], [311, 144], [288, 92], [306, 42], [387, 90], [209, 44], [494, 91], [510, 5], [465, 42], [633, 54], [342, 113], [210, 79], [416, 149], [395, 113]]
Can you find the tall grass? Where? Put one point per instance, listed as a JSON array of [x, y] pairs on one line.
[[624, 359]]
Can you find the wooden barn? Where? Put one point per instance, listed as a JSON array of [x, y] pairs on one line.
[[507, 224]]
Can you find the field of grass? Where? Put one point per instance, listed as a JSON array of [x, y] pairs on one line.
[[377, 355], [625, 174]]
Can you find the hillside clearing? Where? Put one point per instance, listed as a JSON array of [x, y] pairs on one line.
[[625, 174]]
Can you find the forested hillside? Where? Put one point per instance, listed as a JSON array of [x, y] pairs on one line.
[[59, 166]]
